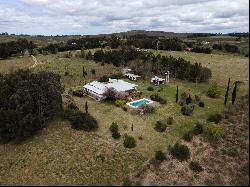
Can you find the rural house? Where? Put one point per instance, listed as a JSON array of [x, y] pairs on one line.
[[97, 89]]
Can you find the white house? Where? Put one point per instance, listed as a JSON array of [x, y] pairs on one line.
[[97, 89], [132, 76], [157, 80]]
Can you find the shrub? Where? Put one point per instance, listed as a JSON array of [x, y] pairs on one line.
[[163, 101], [113, 127], [213, 132], [104, 78], [114, 130], [116, 135], [93, 71], [213, 91], [120, 102], [116, 76], [129, 141], [77, 93], [170, 120], [150, 88], [198, 129], [187, 110], [189, 100], [197, 99], [188, 136], [216, 118], [159, 156], [156, 97], [147, 109], [80, 120], [180, 152], [160, 126], [195, 166], [125, 109], [201, 104]]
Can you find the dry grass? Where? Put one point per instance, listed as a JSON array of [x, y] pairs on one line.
[[227, 163]]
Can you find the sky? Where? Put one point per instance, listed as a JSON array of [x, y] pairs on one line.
[[81, 17]]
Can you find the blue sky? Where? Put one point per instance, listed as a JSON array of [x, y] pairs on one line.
[[52, 17]]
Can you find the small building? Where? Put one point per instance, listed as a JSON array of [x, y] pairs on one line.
[[157, 80], [132, 77], [97, 89]]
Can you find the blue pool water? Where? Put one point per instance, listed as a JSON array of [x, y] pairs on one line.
[[140, 103]]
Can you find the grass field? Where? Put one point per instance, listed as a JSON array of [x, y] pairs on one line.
[[61, 155]]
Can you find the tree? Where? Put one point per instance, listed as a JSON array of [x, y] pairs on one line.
[[234, 93], [86, 107], [177, 95], [84, 73], [27, 101], [82, 55], [226, 95]]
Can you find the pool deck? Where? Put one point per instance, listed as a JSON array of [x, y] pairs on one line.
[[130, 103]]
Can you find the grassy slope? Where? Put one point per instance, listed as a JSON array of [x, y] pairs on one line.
[[60, 155]]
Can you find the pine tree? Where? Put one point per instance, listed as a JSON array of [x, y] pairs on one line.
[[84, 73], [86, 107], [234, 93], [177, 95], [226, 95]]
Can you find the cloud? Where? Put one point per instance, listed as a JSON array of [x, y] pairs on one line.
[[105, 16]]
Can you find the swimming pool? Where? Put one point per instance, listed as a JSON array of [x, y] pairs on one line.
[[140, 102]]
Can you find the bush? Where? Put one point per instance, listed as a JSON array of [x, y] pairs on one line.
[[104, 78], [159, 156], [78, 93], [80, 120], [114, 130], [189, 100], [213, 91], [125, 109], [93, 71], [188, 136], [195, 166], [180, 152], [120, 102], [160, 126], [187, 110], [116, 76], [147, 109], [156, 97], [198, 129], [129, 141], [201, 104], [216, 118], [116, 135], [170, 120], [213, 132], [150, 88]]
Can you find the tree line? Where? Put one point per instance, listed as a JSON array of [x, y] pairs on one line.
[[8, 49], [144, 63]]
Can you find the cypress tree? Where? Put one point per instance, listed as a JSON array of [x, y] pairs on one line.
[[84, 73], [226, 95], [86, 107], [177, 95], [234, 93]]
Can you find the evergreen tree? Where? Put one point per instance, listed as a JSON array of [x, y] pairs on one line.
[[84, 73], [234, 93], [177, 95], [86, 107], [226, 95]]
